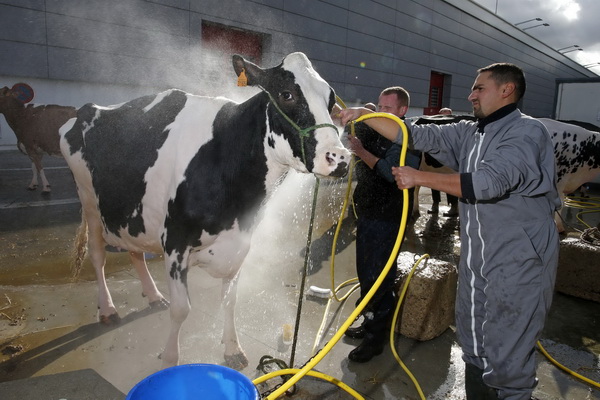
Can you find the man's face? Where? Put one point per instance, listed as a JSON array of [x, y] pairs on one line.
[[389, 104], [486, 95]]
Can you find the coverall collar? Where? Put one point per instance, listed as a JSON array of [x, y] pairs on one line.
[[495, 116]]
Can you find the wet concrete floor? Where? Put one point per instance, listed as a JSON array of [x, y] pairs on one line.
[[49, 331]]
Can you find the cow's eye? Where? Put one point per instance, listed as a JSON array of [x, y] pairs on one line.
[[286, 96]]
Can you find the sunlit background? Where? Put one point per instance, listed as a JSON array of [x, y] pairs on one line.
[[569, 26]]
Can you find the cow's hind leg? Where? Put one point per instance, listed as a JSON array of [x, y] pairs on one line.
[[149, 289], [234, 355], [96, 248], [45, 183], [34, 180], [38, 170]]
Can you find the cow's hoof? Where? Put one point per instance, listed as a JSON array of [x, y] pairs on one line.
[[31, 188], [160, 304], [109, 320], [236, 361]]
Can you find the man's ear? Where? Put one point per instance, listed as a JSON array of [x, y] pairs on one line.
[[403, 110], [508, 89]]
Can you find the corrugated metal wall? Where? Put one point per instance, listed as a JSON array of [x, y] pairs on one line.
[[131, 47]]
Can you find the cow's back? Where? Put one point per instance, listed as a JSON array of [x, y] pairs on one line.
[[128, 160], [36, 126]]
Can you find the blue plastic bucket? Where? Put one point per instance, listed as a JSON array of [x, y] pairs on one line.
[[195, 382]]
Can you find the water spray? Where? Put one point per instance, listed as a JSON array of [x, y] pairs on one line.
[[299, 373]]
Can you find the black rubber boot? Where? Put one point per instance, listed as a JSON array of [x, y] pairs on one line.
[[369, 348], [475, 388]]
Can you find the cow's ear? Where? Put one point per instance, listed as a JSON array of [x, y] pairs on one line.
[[251, 71]]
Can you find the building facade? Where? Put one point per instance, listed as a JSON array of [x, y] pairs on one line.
[[74, 52]]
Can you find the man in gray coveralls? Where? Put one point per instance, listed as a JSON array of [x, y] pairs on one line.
[[509, 242]]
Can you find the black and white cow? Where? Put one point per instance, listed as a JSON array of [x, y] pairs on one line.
[[577, 154], [185, 175], [576, 151]]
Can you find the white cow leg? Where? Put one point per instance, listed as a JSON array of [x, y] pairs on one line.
[[234, 355], [45, 183], [179, 310], [34, 181], [149, 289]]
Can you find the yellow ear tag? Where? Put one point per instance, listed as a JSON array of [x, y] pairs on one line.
[[242, 79]]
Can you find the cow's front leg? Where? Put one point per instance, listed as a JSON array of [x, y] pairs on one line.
[[179, 309], [149, 289], [234, 355]]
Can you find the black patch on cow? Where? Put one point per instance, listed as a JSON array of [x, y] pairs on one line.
[[225, 181], [572, 153], [440, 120], [332, 100], [179, 273], [119, 148], [279, 82]]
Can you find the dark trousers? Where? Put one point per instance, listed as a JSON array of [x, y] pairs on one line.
[[374, 244], [437, 198]]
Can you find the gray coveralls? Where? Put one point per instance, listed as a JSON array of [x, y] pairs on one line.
[[509, 241]]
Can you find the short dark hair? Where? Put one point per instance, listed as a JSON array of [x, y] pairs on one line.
[[400, 92], [507, 73]]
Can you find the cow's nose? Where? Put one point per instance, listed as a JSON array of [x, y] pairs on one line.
[[331, 158]]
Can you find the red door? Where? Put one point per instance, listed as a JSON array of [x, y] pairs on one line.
[[436, 92], [227, 41]]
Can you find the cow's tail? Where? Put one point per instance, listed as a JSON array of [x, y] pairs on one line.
[[79, 248]]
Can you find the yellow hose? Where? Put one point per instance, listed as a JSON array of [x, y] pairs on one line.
[[313, 362], [394, 321], [591, 205], [559, 365], [326, 312], [315, 374]]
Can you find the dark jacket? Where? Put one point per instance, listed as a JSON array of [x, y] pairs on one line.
[[376, 195]]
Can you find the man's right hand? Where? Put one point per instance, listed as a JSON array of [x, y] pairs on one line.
[[350, 114]]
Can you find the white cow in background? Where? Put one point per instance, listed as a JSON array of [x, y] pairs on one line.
[[576, 152]]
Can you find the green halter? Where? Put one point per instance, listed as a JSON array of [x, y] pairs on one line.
[[303, 133]]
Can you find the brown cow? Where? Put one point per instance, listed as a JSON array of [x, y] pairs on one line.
[[36, 128]]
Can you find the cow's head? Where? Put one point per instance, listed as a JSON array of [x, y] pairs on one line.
[[15, 97], [7, 99], [299, 121]]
